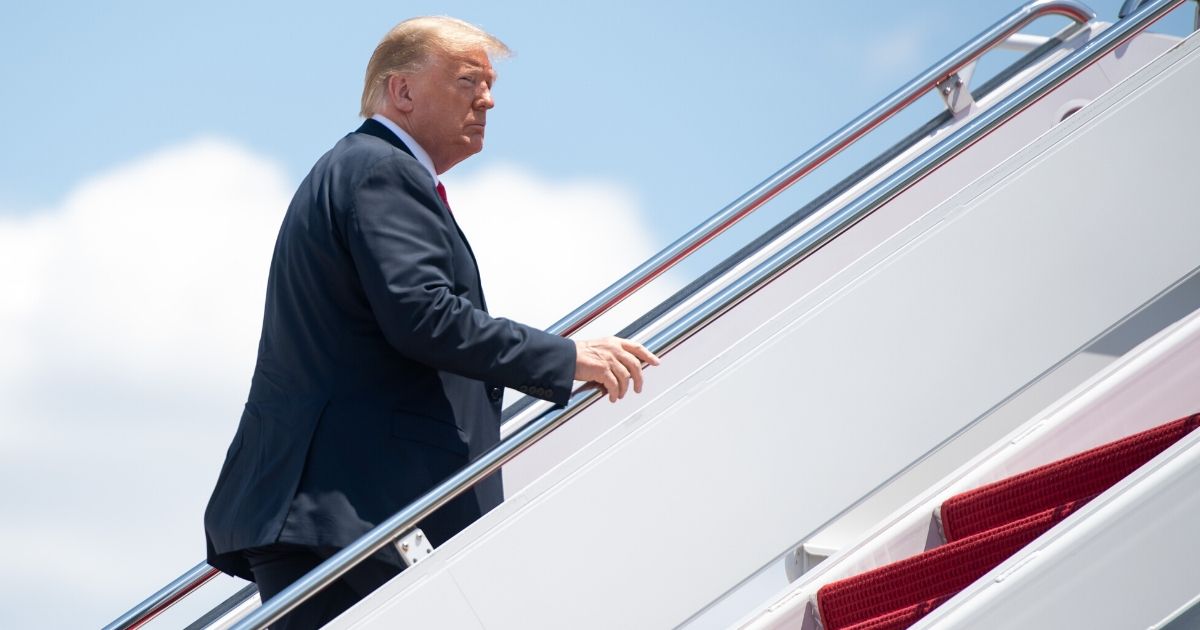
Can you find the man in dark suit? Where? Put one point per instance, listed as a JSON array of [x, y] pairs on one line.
[[379, 370]]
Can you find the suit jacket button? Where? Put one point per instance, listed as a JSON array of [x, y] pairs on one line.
[[495, 393]]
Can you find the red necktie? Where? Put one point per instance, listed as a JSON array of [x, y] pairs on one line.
[[442, 193]]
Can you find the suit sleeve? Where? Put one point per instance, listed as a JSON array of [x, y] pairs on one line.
[[401, 250]]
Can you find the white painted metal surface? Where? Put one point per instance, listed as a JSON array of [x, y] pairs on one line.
[[853, 528], [906, 208], [1128, 559], [849, 528], [901, 211], [1151, 385], [875, 364]]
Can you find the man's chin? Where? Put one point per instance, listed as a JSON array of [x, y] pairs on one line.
[[467, 150], [474, 144]]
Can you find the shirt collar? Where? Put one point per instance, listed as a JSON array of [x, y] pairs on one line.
[[408, 141]]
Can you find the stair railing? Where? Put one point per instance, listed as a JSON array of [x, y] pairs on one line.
[[166, 597], [752, 199]]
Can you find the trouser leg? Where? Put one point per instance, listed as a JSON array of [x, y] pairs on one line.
[[277, 566]]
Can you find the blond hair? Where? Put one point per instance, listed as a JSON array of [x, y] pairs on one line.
[[407, 47]]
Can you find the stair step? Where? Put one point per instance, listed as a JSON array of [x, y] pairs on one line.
[[900, 619], [931, 575], [1086, 474], [983, 527]]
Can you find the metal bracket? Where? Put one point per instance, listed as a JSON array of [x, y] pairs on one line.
[[414, 547], [955, 90], [1129, 6], [804, 559]]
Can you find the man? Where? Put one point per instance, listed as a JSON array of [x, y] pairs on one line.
[[379, 371]]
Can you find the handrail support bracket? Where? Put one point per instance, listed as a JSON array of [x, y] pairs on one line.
[[955, 90], [413, 546]]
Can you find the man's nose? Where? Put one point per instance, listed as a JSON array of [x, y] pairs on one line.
[[485, 101]]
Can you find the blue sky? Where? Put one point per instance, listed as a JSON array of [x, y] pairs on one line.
[[149, 150], [687, 103]]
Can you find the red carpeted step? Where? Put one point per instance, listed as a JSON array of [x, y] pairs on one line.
[[901, 619], [936, 573], [1086, 474]]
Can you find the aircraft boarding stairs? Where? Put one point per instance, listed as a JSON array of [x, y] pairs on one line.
[[980, 528], [1125, 557], [893, 344]]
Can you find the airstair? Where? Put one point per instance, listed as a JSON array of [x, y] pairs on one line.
[[950, 391], [1122, 557], [982, 527]]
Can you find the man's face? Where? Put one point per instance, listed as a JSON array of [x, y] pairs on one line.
[[450, 99]]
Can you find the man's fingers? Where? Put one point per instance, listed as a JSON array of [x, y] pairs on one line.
[[639, 351], [622, 374], [633, 367], [609, 381], [612, 363]]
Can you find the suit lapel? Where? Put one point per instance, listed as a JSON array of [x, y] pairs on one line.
[[474, 263], [373, 127]]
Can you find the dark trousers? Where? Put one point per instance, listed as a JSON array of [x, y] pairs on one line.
[[277, 566]]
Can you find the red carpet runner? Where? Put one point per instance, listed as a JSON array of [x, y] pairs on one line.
[[983, 527]]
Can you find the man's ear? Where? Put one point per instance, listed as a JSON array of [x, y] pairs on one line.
[[399, 92]]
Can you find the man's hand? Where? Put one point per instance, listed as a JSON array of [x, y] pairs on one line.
[[611, 362]]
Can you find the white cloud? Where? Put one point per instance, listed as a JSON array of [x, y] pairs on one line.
[[129, 325], [129, 321], [545, 247]]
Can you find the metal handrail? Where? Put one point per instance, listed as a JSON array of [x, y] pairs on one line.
[[233, 608], [1002, 35], [1129, 6], [715, 225], [166, 597], [814, 157], [714, 307]]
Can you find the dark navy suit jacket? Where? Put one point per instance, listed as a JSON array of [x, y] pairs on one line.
[[379, 371]]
